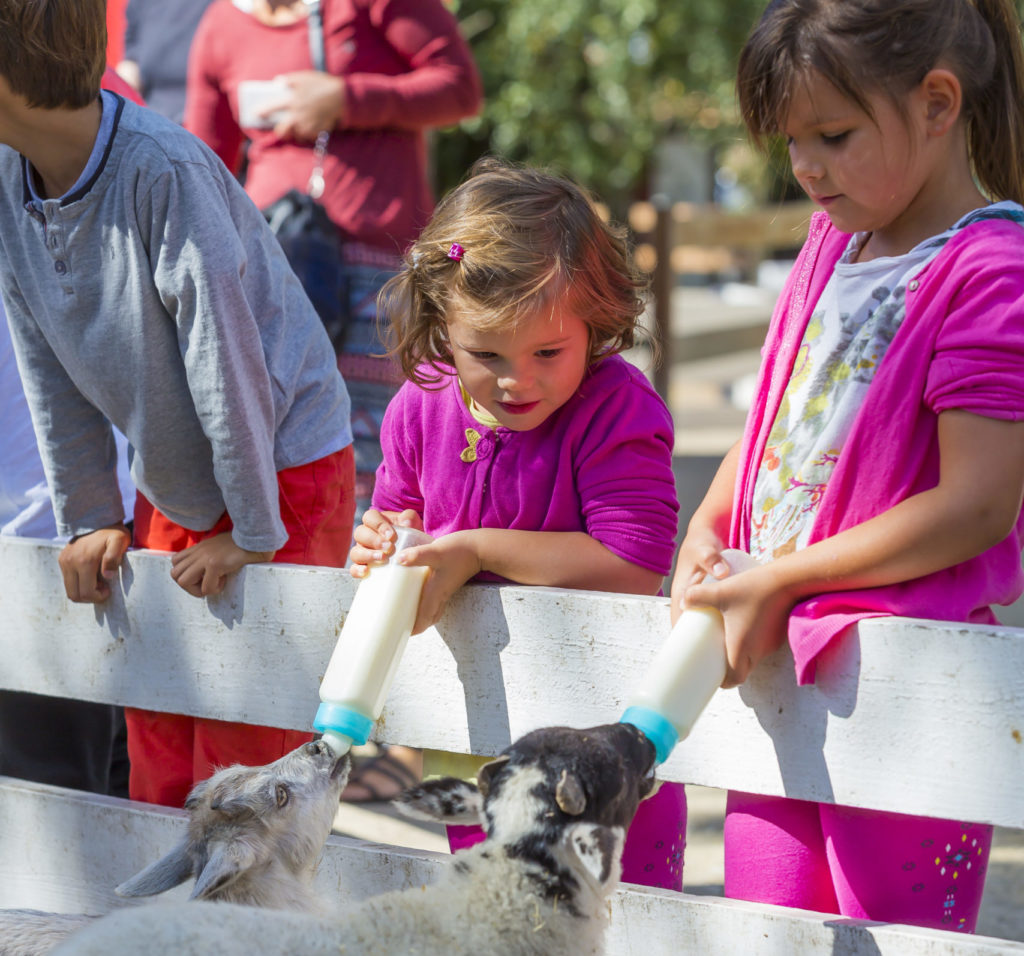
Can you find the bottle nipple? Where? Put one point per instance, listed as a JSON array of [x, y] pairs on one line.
[[340, 744]]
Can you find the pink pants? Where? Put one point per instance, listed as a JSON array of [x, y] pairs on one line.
[[653, 855], [857, 863]]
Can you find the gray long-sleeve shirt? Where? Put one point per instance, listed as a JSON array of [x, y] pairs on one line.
[[155, 295]]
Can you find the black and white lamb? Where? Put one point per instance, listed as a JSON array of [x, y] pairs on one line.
[[255, 836], [556, 805]]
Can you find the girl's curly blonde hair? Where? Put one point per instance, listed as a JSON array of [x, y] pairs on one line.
[[528, 237]]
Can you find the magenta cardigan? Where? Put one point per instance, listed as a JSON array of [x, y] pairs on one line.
[[961, 346], [602, 464]]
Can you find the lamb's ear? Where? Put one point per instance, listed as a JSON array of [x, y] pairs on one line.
[[594, 852], [196, 794], [446, 799], [569, 794], [226, 864], [484, 773], [167, 872]]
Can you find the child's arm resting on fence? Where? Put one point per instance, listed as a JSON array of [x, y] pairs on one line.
[[974, 506], [707, 534], [570, 559]]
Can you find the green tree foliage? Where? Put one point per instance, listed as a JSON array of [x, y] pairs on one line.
[[590, 86]]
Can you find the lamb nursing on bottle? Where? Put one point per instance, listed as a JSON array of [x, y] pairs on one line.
[[556, 805], [255, 836]]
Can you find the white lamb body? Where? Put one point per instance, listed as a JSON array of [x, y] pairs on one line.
[[34, 933], [491, 907], [556, 806]]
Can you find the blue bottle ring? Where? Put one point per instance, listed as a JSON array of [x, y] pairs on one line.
[[343, 720], [655, 727]]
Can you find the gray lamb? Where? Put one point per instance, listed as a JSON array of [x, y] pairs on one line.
[[255, 835], [555, 804]]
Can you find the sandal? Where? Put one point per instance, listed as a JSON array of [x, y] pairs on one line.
[[393, 777]]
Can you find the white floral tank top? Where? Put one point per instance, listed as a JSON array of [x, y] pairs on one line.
[[850, 330]]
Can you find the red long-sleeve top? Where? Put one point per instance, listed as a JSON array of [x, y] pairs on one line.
[[406, 69]]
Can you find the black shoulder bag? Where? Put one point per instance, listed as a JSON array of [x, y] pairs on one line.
[[312, 243]]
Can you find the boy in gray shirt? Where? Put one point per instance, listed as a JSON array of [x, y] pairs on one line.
[[143, 287]]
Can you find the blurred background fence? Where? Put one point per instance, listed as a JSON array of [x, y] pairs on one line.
[[683, 243]]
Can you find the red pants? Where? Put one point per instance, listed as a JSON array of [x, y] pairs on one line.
[[170, 753]]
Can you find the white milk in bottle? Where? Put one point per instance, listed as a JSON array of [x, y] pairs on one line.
[[686, 671], [370, 647]]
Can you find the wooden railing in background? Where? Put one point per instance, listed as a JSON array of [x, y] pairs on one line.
[[679, 239]]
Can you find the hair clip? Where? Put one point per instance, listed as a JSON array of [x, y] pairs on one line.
[[456, 252]]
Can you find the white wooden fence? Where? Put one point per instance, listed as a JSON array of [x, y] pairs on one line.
[[918, 717]]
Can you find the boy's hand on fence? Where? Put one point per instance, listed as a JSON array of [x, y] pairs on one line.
[[700, 557], [453, 560], [756, 612], [89, 562], [375, 537], [203, 569]]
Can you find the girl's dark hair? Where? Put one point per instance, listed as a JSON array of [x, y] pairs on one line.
[[869, 46], [54, 52], [530, 240]]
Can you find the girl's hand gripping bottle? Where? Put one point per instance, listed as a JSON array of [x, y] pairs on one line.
[[686, 671], [370, 647]]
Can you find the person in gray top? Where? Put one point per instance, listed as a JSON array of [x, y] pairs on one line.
[[144, 287]]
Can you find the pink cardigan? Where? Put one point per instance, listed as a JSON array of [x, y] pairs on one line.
[[602, 464], [960, 346]]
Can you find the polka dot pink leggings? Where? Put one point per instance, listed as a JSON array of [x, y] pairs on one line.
[[858, 863]]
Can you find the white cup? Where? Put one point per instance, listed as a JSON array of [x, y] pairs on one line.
[[256, 95]]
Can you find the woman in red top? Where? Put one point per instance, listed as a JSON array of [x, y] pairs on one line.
[[394, 69]]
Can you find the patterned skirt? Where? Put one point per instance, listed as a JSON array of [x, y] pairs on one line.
[[372, 378]]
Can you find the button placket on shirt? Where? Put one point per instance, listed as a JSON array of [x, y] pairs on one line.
[[54, 233], [485, 457], [480, 466]]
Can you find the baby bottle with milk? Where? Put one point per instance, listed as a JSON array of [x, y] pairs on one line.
[[687, 669], [370, 647]]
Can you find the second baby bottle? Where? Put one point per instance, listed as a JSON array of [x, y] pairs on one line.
[[686, 671], [370, 647]]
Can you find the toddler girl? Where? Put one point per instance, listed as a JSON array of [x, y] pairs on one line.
[[521, 440], [882, 465]]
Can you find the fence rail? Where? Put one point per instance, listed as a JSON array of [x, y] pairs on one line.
[[678, 239], [883, 731]]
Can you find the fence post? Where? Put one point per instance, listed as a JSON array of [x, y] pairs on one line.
[[662, 282]]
